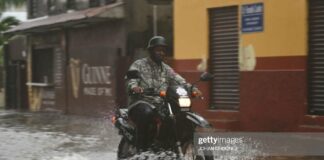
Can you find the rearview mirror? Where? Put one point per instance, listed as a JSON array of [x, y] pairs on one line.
[[206, 76], [133, 74]]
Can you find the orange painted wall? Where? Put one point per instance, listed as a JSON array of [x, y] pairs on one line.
[[274, 94], [285, 28]]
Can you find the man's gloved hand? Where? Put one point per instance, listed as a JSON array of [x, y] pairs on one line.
[[137, 90]]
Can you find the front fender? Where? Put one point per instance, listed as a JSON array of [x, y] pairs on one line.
[[198, 120]]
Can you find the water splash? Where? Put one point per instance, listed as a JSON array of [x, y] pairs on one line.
[[55, 137], [149, 155], [72, 156]]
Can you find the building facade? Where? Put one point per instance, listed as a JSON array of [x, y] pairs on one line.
[[267, 58], [77, 52]]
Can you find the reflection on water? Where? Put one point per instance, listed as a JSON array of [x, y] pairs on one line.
[[49, 136]]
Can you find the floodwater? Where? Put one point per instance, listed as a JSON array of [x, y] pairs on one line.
[[53, 136]]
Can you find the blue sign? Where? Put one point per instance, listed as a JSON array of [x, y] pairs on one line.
[[252, 18]]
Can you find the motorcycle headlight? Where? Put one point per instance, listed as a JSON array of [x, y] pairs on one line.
[[184, 102]]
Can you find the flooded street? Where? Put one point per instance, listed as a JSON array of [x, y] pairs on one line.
[[52, 136], [49, 136]]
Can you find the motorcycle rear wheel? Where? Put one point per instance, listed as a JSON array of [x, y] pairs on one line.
[[190, 153]]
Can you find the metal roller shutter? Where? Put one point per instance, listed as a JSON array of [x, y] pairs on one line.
[[224, 64], [316, 57]]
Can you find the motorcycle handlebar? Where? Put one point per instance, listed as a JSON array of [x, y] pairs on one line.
[[152, 92]]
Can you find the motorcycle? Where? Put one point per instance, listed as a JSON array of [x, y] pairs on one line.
[[174, 126]]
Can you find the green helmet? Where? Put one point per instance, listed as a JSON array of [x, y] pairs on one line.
[[157, 41]]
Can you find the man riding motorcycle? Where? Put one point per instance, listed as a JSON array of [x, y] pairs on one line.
[[157, 75]]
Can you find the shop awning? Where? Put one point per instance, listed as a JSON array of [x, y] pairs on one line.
[[113, 11]]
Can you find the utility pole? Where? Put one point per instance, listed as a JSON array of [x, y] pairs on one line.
[[155, 20]]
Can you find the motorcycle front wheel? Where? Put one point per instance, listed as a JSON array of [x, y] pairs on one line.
[[190, 153], [125, 149]]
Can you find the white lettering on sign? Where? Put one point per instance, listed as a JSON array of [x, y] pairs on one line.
[[100, 91], [91, 91], [252, 9], [96, 74]]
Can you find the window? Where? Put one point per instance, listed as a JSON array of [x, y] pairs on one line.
[[37, 8], [42, 65]]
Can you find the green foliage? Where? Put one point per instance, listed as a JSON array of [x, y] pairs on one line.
[[8, 3], [1, 56], [6, 24]]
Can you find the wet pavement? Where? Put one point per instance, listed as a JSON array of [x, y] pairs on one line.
[[52, 136]]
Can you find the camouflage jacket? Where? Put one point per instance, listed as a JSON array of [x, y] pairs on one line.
[[153, 75]]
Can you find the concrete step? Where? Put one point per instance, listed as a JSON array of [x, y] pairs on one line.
[[313, 120], [221, 114], [311, 123], [310, 128], [225, 124]]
